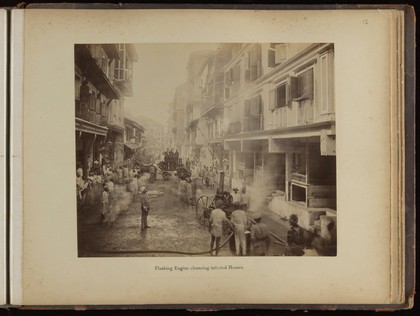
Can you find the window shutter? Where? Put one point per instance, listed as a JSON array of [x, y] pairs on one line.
[[272, 100], [259, 104], [308, 89], [246, 123], [281, 53], [247, 108], [293, 88], [98, 103], [92, 102], [255, 106], [271, 58]]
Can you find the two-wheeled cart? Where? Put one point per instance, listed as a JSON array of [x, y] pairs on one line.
[[206, 203]]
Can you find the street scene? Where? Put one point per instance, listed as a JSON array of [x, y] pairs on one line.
[[218, 149]]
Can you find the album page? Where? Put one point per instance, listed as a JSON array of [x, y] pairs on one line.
[[205, 157]]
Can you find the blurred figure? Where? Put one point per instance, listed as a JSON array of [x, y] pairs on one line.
[[145, 207], [295, 238], [236, 198], [240, 225], [260, 239], [217, 217], [331, 243], [244, 199], [105, 203], [152, 171]]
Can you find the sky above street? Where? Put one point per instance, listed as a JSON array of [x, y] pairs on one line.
[[158, 71]]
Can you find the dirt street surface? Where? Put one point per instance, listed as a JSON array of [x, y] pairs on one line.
[[174, 227]]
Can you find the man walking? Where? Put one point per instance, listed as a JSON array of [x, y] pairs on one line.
[[145, 207], [240, 225]]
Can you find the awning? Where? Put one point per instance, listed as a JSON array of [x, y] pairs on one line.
[[89, 127], [132, 146]]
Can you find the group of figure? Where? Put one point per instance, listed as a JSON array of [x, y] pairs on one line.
[[210, 176], [257, 234], [171, 159], [298, 241], [241, 226], [240, 200], [114, 189]]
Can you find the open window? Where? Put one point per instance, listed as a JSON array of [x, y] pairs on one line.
[[283, 94], [277, 53], [304, 85]]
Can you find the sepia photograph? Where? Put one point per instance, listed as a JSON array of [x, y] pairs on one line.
[[205, 149]]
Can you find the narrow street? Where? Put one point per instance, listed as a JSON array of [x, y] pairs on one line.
[[174, 227]]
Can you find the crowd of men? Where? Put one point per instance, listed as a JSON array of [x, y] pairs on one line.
[[171, 159]]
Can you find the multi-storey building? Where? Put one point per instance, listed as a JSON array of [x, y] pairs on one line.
[[196, 128], [211, 108], [280, 123], [178, 115], [132, 138], [103, 77]]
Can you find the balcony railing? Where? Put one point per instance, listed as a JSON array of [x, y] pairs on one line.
[[253, 123], [280, 117], [87, 113], [305, 112]]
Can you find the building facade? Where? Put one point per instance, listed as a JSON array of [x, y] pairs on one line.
[[267, 115], [133, 140], [280, 115], [103, 77]]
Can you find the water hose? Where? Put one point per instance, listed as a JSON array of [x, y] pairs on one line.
[[168, 251]]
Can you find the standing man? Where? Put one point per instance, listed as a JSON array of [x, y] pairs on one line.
[[217, 217], [240, 225], [145, 207], [260, 240]]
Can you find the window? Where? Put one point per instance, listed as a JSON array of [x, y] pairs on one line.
[[255, 69], [277, 53], [279, 96], [228, 83], [236, 79], [302, 91], [253, 114], [326, 89], [305, 85], [234, 119], [123, 68]]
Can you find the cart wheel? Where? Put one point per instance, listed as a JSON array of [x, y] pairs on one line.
[[203, 208]]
